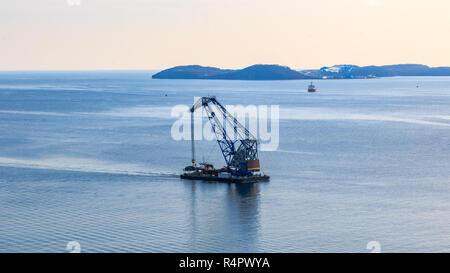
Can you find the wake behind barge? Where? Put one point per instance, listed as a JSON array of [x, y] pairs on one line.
[[239, 148]]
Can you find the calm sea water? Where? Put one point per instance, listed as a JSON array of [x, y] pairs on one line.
[[88, 157]]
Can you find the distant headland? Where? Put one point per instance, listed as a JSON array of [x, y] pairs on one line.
[[272, 72]]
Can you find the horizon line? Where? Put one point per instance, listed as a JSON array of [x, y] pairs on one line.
[[161, 69]]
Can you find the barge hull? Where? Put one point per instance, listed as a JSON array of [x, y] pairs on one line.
[[251, 179]]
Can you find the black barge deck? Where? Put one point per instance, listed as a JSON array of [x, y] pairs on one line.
[[233, 179]]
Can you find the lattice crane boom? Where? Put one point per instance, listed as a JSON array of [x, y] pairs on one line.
[[240, 150]]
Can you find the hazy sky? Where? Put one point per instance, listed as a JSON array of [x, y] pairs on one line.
[[156, 34]]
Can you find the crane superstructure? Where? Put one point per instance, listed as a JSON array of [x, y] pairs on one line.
[[238, 146]]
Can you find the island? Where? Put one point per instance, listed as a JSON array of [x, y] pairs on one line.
[[358, 72], [258, 72], [271, 72]]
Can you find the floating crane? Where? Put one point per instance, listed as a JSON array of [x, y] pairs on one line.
[[239, 147]]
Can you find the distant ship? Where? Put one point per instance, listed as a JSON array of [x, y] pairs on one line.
[[311, 88]]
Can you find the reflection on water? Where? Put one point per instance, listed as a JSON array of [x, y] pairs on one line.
[[237, 216], [243, 200]]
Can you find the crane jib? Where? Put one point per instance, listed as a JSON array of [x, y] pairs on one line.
[[241, 152]]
